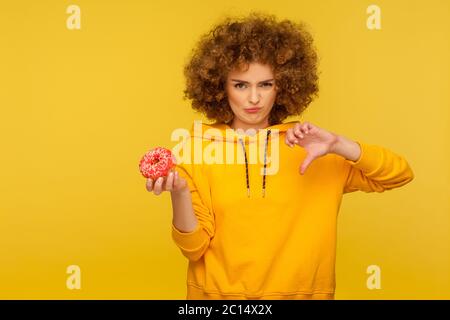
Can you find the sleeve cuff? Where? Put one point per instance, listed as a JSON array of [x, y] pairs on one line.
[[369, 159], [189, 240]]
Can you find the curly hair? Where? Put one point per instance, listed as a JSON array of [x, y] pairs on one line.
[[286, 46]]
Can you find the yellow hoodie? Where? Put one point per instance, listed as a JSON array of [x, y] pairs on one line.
[[276, 238]]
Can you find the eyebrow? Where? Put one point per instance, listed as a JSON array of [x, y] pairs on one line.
[[237, 80]]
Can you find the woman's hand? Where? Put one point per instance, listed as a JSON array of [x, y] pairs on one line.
[[316, 141], [172, 182]]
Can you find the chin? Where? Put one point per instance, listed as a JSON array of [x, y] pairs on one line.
[[253, 121]]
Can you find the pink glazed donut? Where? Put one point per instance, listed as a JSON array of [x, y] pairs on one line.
[[157, 163]]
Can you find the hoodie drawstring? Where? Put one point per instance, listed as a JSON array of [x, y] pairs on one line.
[[265, 164]]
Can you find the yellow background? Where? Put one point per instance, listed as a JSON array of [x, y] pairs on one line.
[[80, 107]]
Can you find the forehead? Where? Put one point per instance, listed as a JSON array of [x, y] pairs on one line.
[[254, 72]]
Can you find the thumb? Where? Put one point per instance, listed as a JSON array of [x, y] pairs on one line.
[[306, 162]]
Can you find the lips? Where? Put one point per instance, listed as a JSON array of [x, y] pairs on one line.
[[252, 110]]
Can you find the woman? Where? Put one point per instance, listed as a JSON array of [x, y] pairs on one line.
[[264, 229]]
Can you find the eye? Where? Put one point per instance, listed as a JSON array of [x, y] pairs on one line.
[[267, 84], [238, 85]]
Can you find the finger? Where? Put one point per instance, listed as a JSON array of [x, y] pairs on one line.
[[169, 182], [290, 138], [298, 133], [157, 188], [287, 141], [149, 184], [306, 162], [311, 127], [178, 181], [305, 128]]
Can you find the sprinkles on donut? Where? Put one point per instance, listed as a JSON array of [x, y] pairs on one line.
[[157, 163]]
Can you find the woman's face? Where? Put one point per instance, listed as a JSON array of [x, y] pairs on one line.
[[251, 95]]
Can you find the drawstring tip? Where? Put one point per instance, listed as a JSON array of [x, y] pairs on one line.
[[264, 193], [248, 192]]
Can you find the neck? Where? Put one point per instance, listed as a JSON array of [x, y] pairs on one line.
[[236, 124]]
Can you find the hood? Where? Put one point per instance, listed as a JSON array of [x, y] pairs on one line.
[[223, 132]]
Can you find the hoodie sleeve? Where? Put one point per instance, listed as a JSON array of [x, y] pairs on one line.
[[195, 243], [377, 169]]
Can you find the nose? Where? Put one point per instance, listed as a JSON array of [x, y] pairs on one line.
[[255, 96]]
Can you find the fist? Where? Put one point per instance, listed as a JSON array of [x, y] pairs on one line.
[[315, 140]]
